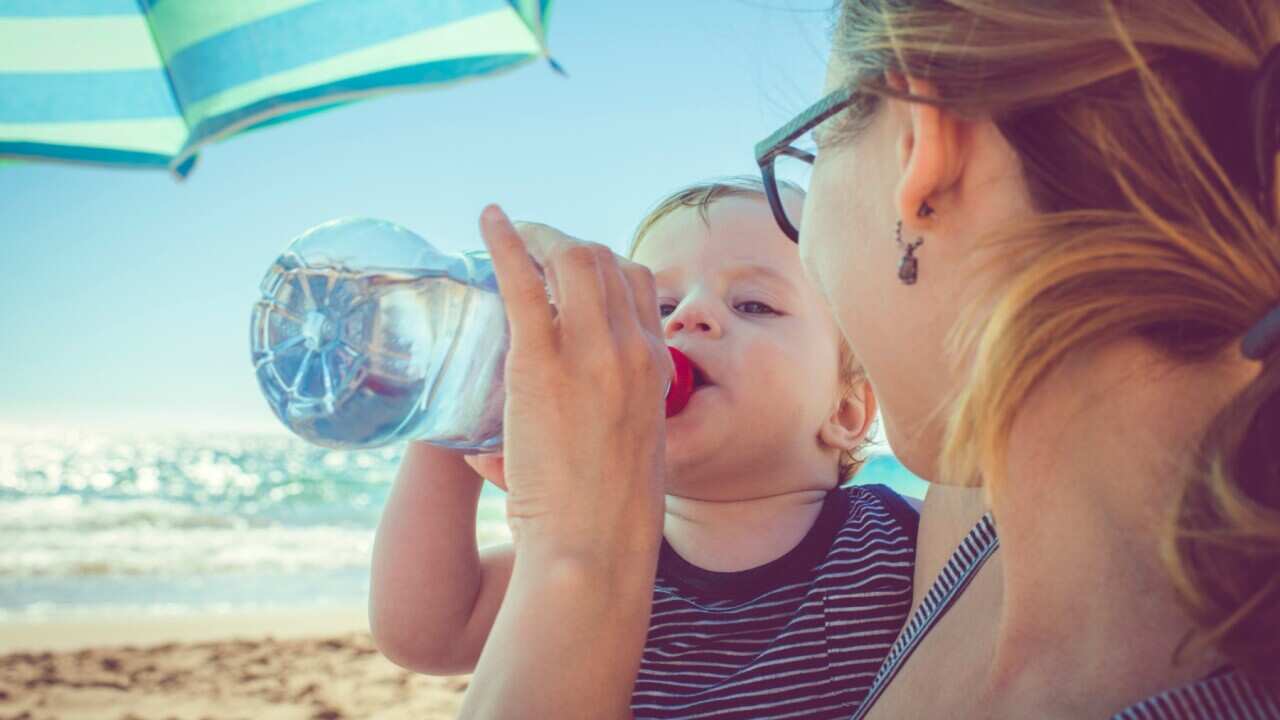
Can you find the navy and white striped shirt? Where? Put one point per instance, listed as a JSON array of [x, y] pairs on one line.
[[1224, 695], [802, 636]]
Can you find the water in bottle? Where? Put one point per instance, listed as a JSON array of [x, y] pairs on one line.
[[366, 335]]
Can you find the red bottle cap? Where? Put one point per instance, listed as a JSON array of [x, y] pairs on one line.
[[681, 388]]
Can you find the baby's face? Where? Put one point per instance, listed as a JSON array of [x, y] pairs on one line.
[[733, 296]]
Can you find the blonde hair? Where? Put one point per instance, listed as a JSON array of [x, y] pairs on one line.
[[1128, 119], [700, 197]]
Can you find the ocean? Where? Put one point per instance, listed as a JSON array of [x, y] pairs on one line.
[[95, 524]]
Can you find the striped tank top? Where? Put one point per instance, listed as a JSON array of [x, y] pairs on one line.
[[799, 637], [1225, 695]]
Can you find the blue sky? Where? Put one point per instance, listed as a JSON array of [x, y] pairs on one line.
[[125, 295]]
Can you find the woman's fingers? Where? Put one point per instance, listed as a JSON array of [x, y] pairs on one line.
[[556, 252], [523, 292], [603, 303], [584, 301], [575, 271], [617, 292], [644, 294]]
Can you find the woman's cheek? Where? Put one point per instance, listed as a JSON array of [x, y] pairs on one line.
[[811, 250], [820, 235]]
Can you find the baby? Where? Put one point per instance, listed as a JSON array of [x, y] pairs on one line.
[[778, 590]]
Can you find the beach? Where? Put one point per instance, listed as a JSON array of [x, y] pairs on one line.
[[207, 577], [198, 578], [275, 665]]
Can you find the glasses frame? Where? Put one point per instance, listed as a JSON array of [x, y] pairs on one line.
[[779, 143]]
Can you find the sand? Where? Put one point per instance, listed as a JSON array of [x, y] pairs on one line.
[[313, 665]]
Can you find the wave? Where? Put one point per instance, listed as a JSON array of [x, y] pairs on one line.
[[79, 513], [72, 536], [83, 506]]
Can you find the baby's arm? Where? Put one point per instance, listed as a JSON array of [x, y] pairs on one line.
[[433, 595]]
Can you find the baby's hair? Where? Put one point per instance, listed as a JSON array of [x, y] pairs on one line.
[[700, 196]]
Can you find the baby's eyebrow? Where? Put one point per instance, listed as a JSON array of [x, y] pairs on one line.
[[671, 274], [747, 269]]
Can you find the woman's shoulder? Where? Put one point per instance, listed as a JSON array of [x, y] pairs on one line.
[[1225, 694], [948, 518]]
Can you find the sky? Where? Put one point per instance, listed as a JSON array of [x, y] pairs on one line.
[[125, 295]]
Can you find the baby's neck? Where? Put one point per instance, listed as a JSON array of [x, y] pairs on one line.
[[733, 535]]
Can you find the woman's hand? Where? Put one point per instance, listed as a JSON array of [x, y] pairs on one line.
[[584, 421], [582, 461]]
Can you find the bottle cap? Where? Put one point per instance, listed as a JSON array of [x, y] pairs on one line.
[[681, 387]]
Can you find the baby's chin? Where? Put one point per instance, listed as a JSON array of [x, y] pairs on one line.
[[698, 466], [712, 487], [706, 487], [689, 446]]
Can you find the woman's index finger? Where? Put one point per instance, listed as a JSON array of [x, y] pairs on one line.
[[523, 291]]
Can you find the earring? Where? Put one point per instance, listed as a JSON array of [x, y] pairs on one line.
[[909, 265]]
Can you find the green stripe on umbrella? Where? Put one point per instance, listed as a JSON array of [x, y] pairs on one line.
[[149, 83]]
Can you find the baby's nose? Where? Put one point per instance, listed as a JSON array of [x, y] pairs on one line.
[[691, 320]]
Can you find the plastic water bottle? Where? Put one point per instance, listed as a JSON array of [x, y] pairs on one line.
[[367, 335]]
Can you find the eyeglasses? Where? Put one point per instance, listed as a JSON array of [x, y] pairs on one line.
[[781, 144]]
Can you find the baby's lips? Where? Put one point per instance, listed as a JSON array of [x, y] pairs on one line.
[[681, 387]]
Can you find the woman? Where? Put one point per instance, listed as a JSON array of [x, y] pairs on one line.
[[1059, 218]]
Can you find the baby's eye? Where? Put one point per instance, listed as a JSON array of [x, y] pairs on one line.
[[666, 308], [753, 307]]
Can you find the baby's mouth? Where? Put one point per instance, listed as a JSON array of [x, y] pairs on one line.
[[700, 379]]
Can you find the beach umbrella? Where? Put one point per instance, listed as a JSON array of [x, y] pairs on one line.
[[149, 83]]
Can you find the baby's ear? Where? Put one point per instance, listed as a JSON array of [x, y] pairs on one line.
[[851, 419]]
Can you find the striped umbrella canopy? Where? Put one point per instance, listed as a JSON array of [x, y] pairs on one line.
[[148, 83]]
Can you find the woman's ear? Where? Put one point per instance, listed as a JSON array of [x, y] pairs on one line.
[[850, 421], [929, 149]]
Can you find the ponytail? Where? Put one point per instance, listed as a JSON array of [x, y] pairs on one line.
[[1224, 550]]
